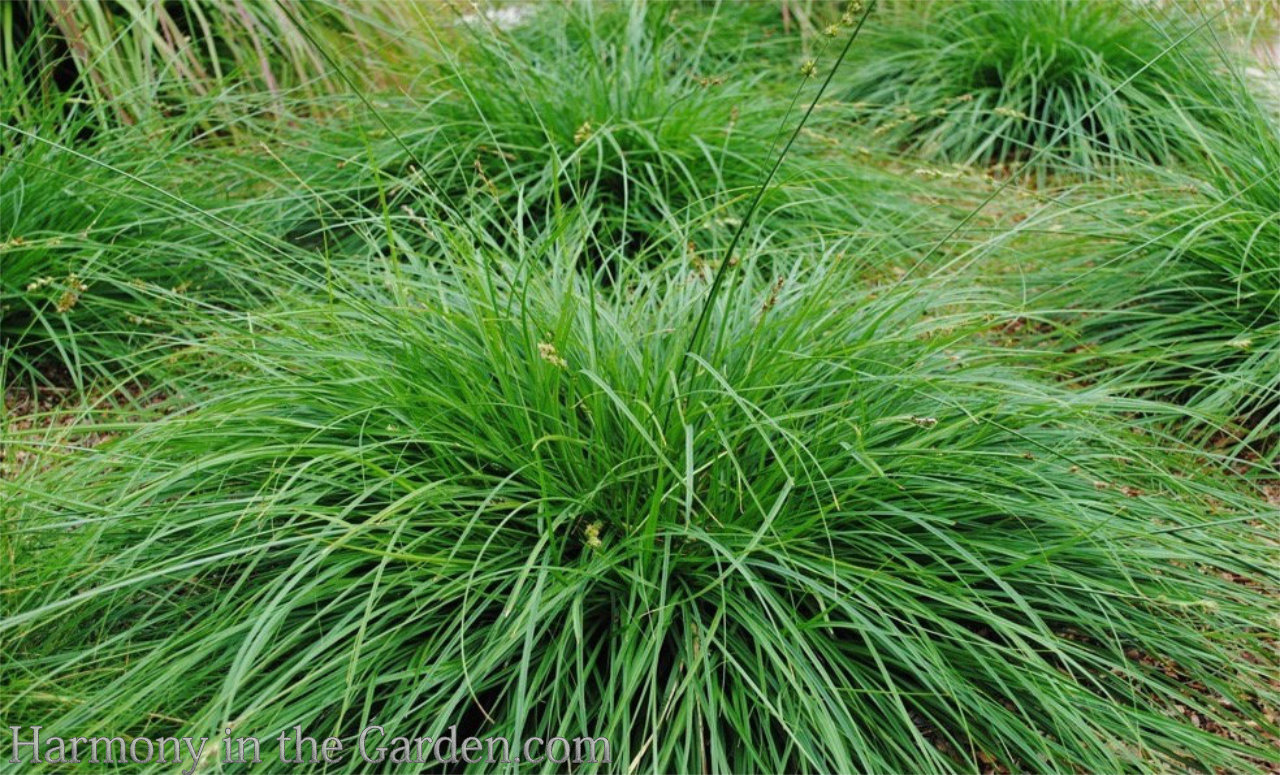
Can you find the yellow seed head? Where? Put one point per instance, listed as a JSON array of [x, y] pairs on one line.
[[548, 353]]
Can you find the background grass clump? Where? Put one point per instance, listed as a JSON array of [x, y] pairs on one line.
[[97, 259], [145, 62], [1057, 83], [1171, 286], [1201, 322], [626, 112]]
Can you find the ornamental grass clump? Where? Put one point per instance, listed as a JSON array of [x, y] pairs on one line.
[[1061, 84], [1203, 322], [1176, 292], [92, 261], [108, 255], [493, 494], [460, 461], [623, 111]]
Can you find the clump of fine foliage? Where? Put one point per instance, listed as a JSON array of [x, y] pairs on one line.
[[1176, 290], [93, 261], [105, 241], [1065, 83], [492, 494], [624, 111], [1207, 315]]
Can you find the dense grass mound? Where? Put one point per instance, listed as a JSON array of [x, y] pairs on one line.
[[977, 81], [1207, 316], [497, 496], [502, 450], [95, 255], [624, 111], [1179, 281]]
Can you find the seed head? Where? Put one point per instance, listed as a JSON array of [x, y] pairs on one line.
[[773, 294], [850, 16], [547, 351], [593, 535], [66, 301], [1010, 113], [71, 295]]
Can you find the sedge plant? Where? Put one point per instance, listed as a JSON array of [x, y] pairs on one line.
[[631, 112], [852, 545], [139, 62], [996, 81], [1172, 284]]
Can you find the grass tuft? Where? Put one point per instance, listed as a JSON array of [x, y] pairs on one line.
[[856, 545], [1058, 83]]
